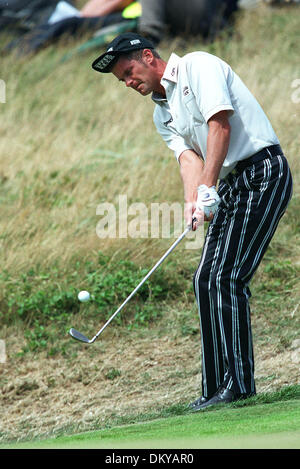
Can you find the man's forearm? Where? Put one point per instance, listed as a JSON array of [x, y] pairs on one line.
[[217, 147], [194, 172], [191, 167], [103, 7]]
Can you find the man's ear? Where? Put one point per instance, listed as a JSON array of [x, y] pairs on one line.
[[148, 56]]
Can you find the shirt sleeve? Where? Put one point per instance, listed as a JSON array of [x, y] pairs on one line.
[[174, 141], [209, 78]]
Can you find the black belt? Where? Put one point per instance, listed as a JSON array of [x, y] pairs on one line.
[[267, 152]]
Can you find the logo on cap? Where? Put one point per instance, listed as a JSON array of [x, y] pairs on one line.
[[104, 62], [135, 41]]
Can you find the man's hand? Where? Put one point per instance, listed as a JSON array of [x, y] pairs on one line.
[[205, 207], [194, 217], [189, 211], [207, 202]]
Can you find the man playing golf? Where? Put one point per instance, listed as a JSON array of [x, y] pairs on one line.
[[219, 135]]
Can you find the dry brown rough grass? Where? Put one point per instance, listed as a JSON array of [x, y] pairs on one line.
[[123, 374]]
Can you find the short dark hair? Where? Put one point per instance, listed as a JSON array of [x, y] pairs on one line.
[[138, 54]]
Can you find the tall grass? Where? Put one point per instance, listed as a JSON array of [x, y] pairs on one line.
[[72, 139]]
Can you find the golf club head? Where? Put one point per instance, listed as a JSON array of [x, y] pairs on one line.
[[78, 336]]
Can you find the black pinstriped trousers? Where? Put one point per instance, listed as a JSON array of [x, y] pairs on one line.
[[251, 206]]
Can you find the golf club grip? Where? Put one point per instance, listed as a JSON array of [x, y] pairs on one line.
[[146, 278]]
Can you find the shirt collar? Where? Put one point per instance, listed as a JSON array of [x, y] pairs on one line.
[[170, 75], [171, 70]]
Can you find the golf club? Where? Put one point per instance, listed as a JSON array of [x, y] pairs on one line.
[[82, 338]]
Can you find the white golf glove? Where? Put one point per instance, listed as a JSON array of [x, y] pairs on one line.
[[207, 200]]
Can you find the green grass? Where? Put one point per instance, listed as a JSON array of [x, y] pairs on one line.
[[274, 425], [270, 420]]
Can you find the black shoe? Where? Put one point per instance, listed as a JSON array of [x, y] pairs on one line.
[[222, 396], [201, 400]]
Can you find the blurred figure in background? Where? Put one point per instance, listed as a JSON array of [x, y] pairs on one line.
[[66, 19], [190, 17], [155, 19], [103, 7]]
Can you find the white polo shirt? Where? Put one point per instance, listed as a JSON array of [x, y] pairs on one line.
[[198, 86]]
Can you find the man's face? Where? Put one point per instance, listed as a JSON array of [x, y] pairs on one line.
[[136, 74]]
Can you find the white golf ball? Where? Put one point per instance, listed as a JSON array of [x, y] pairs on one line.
[[84, 296]]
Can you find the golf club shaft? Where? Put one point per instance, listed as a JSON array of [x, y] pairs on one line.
[[143, 281]]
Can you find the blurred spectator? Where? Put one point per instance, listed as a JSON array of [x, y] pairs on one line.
[[156, 19], [66, 19], [23, 15], [93, 8], [103, 7], [196, 17]]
